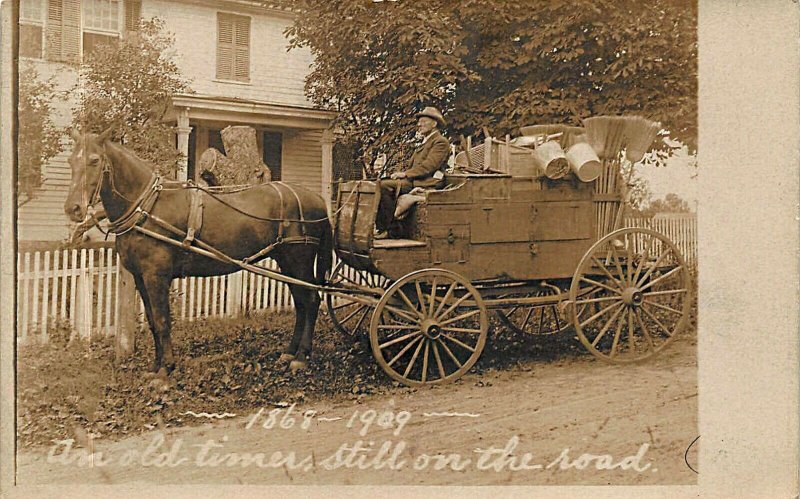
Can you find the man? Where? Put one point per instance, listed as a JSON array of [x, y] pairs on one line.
[[426, 168]]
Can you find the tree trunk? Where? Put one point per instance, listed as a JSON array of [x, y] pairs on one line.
[[241, 163]]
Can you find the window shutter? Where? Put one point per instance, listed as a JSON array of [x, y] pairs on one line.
[[133, 13], [241, 70], [71, 44], [225, 50], [54, 30], [64, 30]]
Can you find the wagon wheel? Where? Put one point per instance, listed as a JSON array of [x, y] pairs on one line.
[[538, 320], [645, 300], [429, 328], [350, 317]]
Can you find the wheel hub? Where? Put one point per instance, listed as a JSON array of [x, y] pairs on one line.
[[431, 329], [632, 296]]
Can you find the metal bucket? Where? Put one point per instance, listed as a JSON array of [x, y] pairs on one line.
[[551, 159], [584, 162]]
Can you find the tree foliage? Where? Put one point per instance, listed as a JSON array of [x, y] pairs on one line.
[[499, 64], [671, 203], [128, 86], [39, 138]]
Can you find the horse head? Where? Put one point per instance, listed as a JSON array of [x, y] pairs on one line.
[[88, 162]]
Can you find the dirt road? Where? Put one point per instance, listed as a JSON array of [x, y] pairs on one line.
[[570, 417]]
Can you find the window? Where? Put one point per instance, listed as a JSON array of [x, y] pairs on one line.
[[101, 23], [272, 153], [31, 26], [233, 47]]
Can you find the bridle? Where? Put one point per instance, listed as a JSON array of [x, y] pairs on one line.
[[136, 210]]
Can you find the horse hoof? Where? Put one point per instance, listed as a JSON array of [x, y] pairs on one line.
[[297, 365], [286, 357]]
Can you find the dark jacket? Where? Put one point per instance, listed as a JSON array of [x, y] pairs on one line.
[[427, 159]]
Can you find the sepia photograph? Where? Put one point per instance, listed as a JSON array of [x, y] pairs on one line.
[[368, 242]]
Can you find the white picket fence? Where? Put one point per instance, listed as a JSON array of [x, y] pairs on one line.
[[79, 289], [681, 228]]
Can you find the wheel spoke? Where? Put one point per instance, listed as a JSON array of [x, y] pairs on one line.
[[607, 273], [453, 306], [460, 317], [597, 300], [663, 307], [600, 284], [655, 266], [458, 342], [444, 300], [617, 334], [668, 292], [402, 314], [447, 349], [438, 359], [396, 327], [631, 335], [361, 320], [511, 312], [408, 302], [425, 361], [352, 314], [404, 350], [433, 297], [645, 332], [555, 315], [420, 298], [527, 318], [413, 359], [646, 254], [618, 264], [661, 278], [461, 330], [345, 305], [655, 319], [606, 327], [398, 339], [628, 247], [602, 312]]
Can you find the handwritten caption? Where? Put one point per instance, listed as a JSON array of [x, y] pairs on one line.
[[362, 454]]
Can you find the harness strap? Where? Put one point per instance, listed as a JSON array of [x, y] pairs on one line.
[[299, 207], [281, 215], [133, 214], [195, 219]]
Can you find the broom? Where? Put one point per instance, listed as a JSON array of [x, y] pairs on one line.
[[605, 134], [640, 134]]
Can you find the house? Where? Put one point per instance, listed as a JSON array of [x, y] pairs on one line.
[[233, 52]]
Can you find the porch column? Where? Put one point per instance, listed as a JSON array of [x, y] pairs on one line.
[[183, 143], [327, 166]]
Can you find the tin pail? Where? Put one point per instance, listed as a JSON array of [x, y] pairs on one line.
[[584, 161], [551, 159]]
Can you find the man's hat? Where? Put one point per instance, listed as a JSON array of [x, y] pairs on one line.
[[433, 113]]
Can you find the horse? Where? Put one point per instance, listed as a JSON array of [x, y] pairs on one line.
[[287, 223]]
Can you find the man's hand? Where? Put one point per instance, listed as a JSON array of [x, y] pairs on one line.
[[398, 175]]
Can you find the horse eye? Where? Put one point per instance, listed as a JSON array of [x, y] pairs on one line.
[[94, 159]]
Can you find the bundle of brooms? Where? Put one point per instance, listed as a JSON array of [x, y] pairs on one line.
[[608, 135]]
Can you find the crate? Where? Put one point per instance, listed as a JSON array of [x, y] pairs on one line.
[[494, 155]]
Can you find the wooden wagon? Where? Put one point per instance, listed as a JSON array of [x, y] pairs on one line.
[[543, 254]]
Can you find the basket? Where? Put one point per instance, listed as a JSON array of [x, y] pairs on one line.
[[551, 160]]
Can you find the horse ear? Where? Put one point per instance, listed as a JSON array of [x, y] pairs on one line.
[[105, 135], [74, 134]]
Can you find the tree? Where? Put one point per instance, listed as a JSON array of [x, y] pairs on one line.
[[128, 85], [672, 203], [39, 138], [501, 64]]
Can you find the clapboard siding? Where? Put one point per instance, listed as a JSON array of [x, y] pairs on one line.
[[302, 159], [276, 76]]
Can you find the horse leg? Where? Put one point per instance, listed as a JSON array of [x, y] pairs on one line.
[[290, 352], [311, 302], [148, 311], [158, 293]]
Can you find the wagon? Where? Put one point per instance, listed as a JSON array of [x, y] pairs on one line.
[[543, 255]]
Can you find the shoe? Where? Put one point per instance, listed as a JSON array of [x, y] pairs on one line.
[[381, 235]]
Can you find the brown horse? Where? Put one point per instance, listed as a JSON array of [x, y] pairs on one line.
[[238, 224]]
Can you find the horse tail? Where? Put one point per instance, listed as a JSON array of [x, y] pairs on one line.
[[324, 253]]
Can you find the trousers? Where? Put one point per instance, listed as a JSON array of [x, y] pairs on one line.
[[390, 190]]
